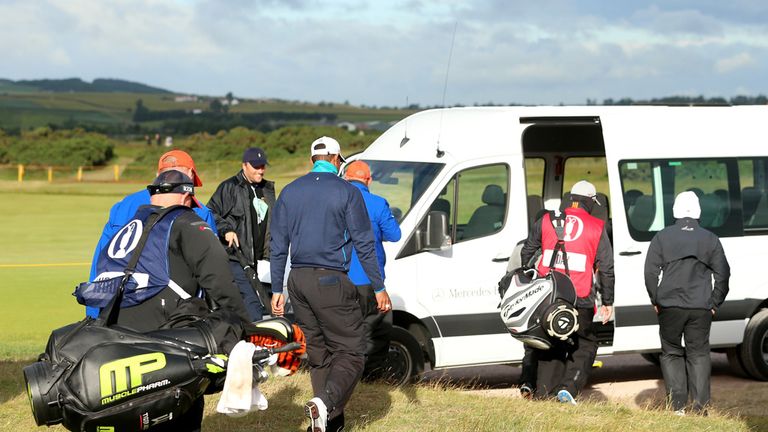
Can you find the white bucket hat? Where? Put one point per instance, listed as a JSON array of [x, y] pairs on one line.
[[686, 205]]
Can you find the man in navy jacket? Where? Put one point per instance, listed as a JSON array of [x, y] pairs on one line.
[[319, 217]]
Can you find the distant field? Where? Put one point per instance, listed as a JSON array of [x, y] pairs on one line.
[[35, 108]]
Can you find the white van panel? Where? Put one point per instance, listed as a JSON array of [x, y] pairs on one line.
[[476, 350]]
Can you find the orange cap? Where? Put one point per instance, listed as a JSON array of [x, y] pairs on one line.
[[179, 158], [358, 170]]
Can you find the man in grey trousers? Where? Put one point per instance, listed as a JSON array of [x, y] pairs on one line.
[[682, 263], [319, 217]]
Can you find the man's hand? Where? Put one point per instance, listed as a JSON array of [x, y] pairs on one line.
[[606, 312], [231, 238], [713, 312], [278, 303], [656, 308], [383, 301]]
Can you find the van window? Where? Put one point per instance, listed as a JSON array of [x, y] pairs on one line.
[[753, 179], [650, 187], [401, 183], [595, 171], [475, 202], [481, 205]]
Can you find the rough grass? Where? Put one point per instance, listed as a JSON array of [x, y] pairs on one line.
[[427, 408]]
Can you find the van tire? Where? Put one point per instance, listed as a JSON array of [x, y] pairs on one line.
[[735, 363], [754, 349], [405, 359]]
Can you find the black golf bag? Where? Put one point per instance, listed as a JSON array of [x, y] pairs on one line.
[[538, 310], [93, 377]]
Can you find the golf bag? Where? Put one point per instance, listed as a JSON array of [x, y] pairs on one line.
[[93, 376], [538, 310]]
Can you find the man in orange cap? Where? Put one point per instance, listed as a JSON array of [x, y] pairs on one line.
[[377, 325], [122, 212]]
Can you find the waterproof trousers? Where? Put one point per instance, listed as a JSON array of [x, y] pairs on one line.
[[325, 306], [686, 369], [377, 328]]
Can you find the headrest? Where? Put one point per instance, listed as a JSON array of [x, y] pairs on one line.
[[493, 195]]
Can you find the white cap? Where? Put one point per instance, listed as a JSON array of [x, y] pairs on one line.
[[326, 146], [584, 188], [686, 205]]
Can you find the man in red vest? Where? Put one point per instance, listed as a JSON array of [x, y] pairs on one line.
[[563, 369]]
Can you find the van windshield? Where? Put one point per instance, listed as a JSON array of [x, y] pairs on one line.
[[401, 183]]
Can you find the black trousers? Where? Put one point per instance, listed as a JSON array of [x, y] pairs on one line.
[[252, 303], [377, 328], [686, 369], [566, 366], [325, 305]]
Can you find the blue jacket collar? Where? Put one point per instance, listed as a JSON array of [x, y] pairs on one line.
[[360, 185], [324, 166]]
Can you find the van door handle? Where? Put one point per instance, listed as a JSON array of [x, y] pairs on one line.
[[629, 253], [500, 259]]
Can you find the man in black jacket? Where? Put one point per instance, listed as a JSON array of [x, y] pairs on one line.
[[241, 208], [683, 259], [181, 258]]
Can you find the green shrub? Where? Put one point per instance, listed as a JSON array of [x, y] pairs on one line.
[[43, 146]]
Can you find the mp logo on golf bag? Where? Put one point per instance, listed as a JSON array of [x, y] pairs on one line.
[[123, 377]]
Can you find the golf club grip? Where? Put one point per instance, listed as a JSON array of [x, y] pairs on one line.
[[289, 347]]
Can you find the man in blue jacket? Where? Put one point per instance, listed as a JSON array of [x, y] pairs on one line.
[[122, 211], [376, 326], [319, 217]]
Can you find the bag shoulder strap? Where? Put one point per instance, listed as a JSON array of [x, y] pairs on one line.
[[110, 313], [558, 223]]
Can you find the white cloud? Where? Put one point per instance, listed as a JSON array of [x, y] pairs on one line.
[[734, 63]]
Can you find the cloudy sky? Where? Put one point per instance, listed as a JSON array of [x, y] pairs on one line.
[[387, 52]]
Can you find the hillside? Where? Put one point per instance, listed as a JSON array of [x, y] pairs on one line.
[[100, 85]]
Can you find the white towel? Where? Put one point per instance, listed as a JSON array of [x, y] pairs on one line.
[[240, 394]]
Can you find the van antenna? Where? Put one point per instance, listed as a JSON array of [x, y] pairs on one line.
[[440, 153], [405, 139]]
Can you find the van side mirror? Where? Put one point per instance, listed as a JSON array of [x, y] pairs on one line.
[[436, 232]]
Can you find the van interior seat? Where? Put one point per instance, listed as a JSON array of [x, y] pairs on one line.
[[760, 216], [630, 198], [711, 210], [488, 218], [603, 212], [750, 198], [535, 204], [642, 213]]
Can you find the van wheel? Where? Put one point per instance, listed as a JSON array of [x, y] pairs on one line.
[[405, 359], [735, 363], [652, 357], [754, 349]]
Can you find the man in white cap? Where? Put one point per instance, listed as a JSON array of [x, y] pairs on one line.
[[319, 217], [683, 261], [563, 370]]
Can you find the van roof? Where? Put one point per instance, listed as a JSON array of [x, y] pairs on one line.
[[474, 132]]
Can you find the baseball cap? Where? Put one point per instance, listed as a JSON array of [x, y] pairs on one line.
[[585, 189], [171, 182], [326, 146], [255, 156], [179, 158], [358, 170], [686, 205]]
